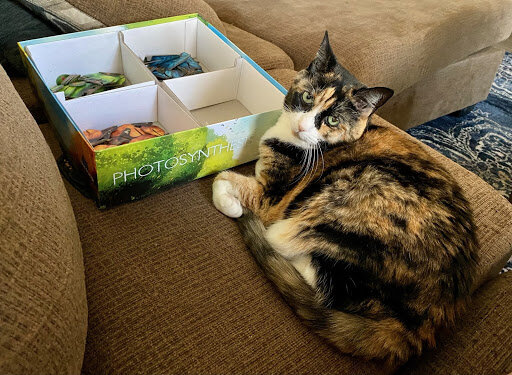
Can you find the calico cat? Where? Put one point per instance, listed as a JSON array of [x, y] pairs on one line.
[[368, 239]]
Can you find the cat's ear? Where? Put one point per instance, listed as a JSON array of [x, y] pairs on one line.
[[325, 60], [369, 99]]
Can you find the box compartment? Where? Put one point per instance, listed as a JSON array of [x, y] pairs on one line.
[[89, 54], [142, 104], [226, 94], [191, 36]]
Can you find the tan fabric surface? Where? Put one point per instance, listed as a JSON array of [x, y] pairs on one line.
[[265, 54], [43, 310], [171, 286], [284, 76], [459, 85], [119, 12], [171, 289], [481, 342], [382, 42], [29, 97]]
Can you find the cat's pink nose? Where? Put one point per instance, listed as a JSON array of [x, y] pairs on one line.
[[303, 127]]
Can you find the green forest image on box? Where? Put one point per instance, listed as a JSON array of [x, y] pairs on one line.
[[138, 169]]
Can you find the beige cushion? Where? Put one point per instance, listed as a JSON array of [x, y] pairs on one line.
[[171, 286], [28, 94], [119, 12], [171, 289], [284, 76], [43, 310], [265, 54], [394, 43]]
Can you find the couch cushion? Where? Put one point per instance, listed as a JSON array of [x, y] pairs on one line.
[[119, 12], [388, 43], [172, 289], [284, 76], [481, 342], [265, 54], [43, 310], [171, 286], [29, 96]]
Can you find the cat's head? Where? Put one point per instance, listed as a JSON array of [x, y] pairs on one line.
[[327, 104]]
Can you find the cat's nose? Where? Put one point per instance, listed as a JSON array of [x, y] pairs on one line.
[[303, 126]]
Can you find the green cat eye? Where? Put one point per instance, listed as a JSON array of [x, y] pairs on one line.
[[333, 121], [307, 97]]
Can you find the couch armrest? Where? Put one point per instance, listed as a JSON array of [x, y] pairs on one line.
[[43, 308]]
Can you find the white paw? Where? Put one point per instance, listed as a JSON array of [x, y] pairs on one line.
[[224, 199]]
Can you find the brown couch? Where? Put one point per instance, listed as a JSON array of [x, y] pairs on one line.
[[165, 285]]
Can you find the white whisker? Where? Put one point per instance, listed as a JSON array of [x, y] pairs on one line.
[[312, 164]]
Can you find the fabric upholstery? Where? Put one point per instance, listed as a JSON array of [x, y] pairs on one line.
[[62, 14], [43, 310], [480, 343], [119, 12], [284, 76], [265, 54], [29, 96], [171, 286], [382, 42], [454, 87]]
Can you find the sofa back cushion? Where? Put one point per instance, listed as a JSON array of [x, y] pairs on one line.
[[119, 12], [43, 309]]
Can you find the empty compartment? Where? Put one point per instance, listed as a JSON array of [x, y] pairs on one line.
[[226, 94], [145, 104], [89, 54], [173, 38]]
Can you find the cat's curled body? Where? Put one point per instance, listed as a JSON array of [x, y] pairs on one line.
[[373, 244]]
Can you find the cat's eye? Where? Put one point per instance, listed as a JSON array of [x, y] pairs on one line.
[[332, 121], [307, 97]]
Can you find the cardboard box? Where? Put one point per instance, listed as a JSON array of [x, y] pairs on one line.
[[213, 120]]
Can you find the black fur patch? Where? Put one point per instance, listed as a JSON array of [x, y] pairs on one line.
[[351, 288], [359, 245], [399, 222], [284, 148], [293, 102]]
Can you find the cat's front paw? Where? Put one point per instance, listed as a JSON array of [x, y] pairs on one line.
[[225, 200]]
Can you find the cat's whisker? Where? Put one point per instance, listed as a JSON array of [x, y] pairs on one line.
[[313, 164], [304, 167], [320, 155], [323, 161]]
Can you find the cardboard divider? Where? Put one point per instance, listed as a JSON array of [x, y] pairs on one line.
[[191, 36], [86, 55], [226, 94], [143, 104]]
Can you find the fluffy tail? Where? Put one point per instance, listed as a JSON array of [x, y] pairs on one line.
[[384, 339]]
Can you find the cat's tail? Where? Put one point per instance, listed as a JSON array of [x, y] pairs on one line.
[[384, 339]]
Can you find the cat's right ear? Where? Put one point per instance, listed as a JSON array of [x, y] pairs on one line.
[[370, 99], [325, 60]]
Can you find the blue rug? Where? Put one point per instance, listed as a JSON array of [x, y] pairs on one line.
[[480, 141]]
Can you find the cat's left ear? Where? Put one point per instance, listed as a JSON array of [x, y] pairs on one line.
[[370, 99], [325, 60]]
